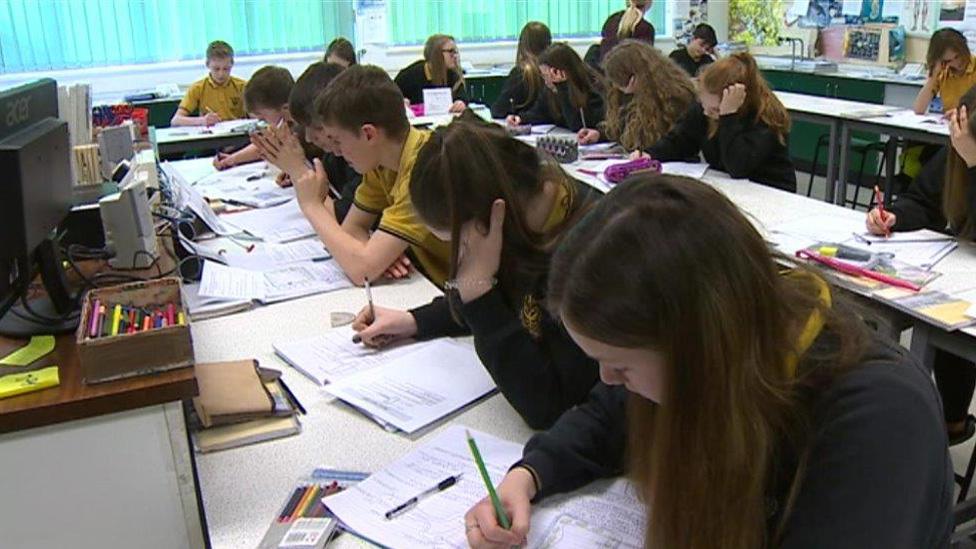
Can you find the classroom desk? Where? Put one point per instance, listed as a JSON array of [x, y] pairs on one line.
[[91, 466], [243, 488], [903, 124], [176, 140]]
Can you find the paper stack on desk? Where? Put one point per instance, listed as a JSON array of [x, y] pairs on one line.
[[605, 514]]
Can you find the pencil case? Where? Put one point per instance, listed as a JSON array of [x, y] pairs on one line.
[[618, 172], [565, 149]]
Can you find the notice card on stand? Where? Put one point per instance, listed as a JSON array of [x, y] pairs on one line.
[[416, 389], [605, 514], [437, 101]]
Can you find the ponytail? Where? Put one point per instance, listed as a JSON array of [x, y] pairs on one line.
[[631, 17]]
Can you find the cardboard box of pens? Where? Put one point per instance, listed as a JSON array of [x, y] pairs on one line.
[[134, 329]]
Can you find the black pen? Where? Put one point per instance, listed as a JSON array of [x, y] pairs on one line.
[[412, 502]]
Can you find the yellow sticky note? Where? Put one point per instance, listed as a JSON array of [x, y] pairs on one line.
[[16, 384], [38, 347]]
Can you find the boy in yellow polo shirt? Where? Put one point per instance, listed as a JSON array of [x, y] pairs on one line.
[[362, 111], [218, 96]]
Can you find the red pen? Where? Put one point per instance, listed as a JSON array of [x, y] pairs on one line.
[[879, 200], [170, 314], [854, 270]]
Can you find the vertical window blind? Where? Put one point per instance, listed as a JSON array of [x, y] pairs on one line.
[[412, 21], [37, 35]]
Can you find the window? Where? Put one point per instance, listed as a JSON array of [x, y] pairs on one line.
[[37, 35], [412, 21]]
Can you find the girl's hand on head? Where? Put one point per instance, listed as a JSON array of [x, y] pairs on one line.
[[732, 99], [481, 254], [963, 141]]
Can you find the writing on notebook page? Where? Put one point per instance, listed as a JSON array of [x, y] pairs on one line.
[[333, 356], [605, 514]]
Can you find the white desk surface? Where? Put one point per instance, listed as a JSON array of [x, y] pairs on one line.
[[243, 488], [176, 134], [843, 109]]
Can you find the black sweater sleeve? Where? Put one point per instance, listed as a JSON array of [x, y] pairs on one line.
[[514, 93], [920, 206], [434, 320], [878, 473], [540, 378], [744, 146], [587, 443], [411, 81], [684, 141], [571, 116]]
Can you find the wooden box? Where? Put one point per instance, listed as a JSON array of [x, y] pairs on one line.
[[119, 356]]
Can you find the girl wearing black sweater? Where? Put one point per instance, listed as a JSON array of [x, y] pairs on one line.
[[440, 68], [751, 409], [573, 96], [502, 207], [943, 198], [524, 82], [740, 127]]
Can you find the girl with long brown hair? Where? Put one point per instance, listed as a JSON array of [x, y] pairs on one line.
[[740, 127], [524, 82], [573, 98], [440, 68], [627, 24], [952, 70], [502, 207], [943, 198], [750, 407], [647, 95]]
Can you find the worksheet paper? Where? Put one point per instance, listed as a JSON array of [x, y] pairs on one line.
[[194, 169], [689, 169], [186, 197], [269, 256], [332, 355], [418, 388], [287, 282], [258, 193], [283, 223], [605, 514]]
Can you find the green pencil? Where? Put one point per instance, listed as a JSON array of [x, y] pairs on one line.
[[499, 510]]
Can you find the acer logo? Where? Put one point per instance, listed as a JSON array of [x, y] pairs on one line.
[[17, 111]]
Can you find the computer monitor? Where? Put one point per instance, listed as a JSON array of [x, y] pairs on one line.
[[35, 196]]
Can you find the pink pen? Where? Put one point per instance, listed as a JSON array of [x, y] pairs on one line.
[[854, 270], [93, 318]]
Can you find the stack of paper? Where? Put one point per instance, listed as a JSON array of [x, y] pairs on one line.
[[605, 514], [417, 388], [922, 248]]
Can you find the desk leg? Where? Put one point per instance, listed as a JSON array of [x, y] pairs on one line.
[[838, 193], [891, 154], [189, 486], [831, 176], [922, 347]]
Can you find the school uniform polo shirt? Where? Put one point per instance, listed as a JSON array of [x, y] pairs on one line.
[[227, 99], [386, 193], [951, 88]]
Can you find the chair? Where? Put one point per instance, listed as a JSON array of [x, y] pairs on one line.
[[859, 146]]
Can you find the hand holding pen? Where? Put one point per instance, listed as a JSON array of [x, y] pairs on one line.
[[880, 221]]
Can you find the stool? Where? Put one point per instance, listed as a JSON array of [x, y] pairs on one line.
[[859, 146]]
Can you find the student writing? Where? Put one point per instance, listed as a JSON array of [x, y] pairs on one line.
[[440, 68], [751, 408], [524, 81], [572, 98], [943, 198], [646, 97], [218, 96], [502, 208], [362, 111], [740, 127]]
